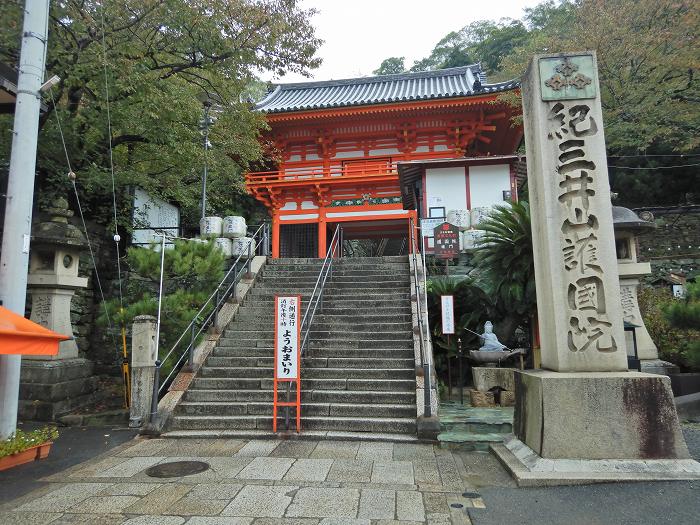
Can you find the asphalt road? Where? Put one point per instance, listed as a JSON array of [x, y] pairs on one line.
[[603, 504], [74, 445]]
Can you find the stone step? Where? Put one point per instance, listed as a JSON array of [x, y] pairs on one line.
[[237, 328], [334, 342], [349, 272], [328, 294], [398, 425], [291, 434], [345, 261], [364, 353], [316, 396], [246, 315], [335, 284], [469, 441], [236, 336], [392, 385], [310, 363], [226, 408], [359, 301], [309, 373]]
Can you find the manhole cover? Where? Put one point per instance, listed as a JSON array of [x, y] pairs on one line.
[[177, 469], [471, 494]]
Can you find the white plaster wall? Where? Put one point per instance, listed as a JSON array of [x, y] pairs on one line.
[[289, 206], [384, 151], [446, 187], [308, 205], [487, 184], [349, 154]]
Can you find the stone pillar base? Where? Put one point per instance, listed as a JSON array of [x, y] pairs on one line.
[[597, 415], [49, 389], [590, 427]]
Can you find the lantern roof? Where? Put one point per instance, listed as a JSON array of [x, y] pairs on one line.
[[415, 86]]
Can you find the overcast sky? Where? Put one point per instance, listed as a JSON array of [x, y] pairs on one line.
[[359, 34]]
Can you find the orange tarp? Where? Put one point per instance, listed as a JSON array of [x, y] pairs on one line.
[[22, 336]]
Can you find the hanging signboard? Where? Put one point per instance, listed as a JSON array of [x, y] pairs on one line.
[[287, 359], [446, 241], [448, 314]]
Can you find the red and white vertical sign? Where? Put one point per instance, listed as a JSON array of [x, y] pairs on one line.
[[448, 314], [287, 340], [287, 337]]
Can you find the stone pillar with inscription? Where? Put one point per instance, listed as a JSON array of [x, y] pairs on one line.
[[584, 416], [54, 385]]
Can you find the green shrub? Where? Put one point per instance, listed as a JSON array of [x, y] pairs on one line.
[[22, 440]]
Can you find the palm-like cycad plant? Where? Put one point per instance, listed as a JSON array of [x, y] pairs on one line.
[[507, 269]]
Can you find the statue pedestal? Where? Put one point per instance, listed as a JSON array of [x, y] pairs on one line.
[[583, 427]]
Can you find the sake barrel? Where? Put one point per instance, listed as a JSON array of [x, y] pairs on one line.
[[225, 245], [460, 218], [234, 227], [240, 246], [210, 226], [478, 215]]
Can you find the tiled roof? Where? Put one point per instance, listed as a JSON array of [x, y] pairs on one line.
[[426, 85]]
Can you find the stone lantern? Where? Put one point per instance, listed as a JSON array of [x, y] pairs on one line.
[[628, 225], [54, 385]]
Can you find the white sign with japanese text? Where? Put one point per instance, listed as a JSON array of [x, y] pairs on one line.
[[287, 319], [448, 314]]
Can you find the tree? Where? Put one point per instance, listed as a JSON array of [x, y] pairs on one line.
[[506, 265], [391, 66], [162, 57], [684, 314]]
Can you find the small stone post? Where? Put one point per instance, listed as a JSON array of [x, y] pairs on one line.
[[143, 364]]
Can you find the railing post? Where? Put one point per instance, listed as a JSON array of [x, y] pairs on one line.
[[156, 389], [190, 357], [250, 258], [216, 310]]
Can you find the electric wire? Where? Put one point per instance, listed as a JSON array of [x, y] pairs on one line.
[[111, 157], [82, 219], [653, 168]]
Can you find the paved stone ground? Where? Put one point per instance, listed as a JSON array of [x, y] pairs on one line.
[[259, 482]]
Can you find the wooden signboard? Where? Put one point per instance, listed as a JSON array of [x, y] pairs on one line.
[[287, 358], [446, 241]]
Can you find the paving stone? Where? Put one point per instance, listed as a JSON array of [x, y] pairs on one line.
[[345, 470], [64, 497], [309, 470], [130, 467], [336, 450], [409, 506], [131, 489], [218, 520], [377, 504], [397, 522], [376, 451], [222, 468], [344, 521], [435, 503], [260, 501], [313, 502], [413, 451], [155, 520], [28, 518], [425, 471], [258, 447], [294, 449], [90, 469], [393, 472], [286, 521], [215, 491], [91, 519], [189, 506], [439, 519], [104, 504], [449, 475], [145, 447], [159, 501], [225, 447], [266, 468]]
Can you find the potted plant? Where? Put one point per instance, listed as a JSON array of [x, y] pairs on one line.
[[24, 447]]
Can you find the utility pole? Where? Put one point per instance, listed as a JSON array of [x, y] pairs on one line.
[[14, 259]]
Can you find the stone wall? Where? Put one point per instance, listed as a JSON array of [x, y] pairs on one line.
[[675, 244]]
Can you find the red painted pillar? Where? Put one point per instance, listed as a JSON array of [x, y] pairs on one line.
[[321, 233], [275, 235]]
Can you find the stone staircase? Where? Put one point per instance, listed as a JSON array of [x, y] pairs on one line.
[[358, 374]]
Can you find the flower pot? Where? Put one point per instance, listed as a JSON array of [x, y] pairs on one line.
[[26, 456]]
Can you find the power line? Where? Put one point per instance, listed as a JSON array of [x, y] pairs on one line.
[[654, 155], [653, 168]]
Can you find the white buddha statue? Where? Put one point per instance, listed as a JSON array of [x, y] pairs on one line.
[[491, 343]]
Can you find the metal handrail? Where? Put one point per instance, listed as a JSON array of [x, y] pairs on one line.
[[334, 248], [421, 307], [259, 239]]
